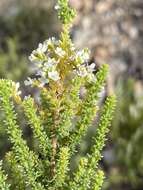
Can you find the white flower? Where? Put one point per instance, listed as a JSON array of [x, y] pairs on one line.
[[86, 54], [33, 57], [57, 7], [17, 85], [72, 47], [87, 71], [16, 88], [50, 63], [60, 52], [43, 81], [83, 55], [26, 97], [91, 68], [41, 73], [42, 48], [39, 52], [54, 75], [28, 82], [51, 41], [82, 71]]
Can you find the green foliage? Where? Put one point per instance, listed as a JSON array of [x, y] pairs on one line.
[[12, 65], [98, 180], [127, 134], [24, 27], [27, 159], [15, 67], [35, 122], [3, 179], [65, 13], [19, 34], [88, 107], [62, 167], [87, 168], [59, 118]]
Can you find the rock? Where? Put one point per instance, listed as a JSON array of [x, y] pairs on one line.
[[112, 29]]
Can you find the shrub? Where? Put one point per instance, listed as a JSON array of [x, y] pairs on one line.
[[59, 117], [127, 134]]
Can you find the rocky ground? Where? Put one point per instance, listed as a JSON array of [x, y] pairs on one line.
[[112, 29]]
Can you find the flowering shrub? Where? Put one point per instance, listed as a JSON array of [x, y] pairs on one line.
[[59, 118]]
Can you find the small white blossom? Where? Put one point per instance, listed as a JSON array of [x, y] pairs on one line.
[[91, 68], [60, 52], [17, 85], [82, 71], [54, 75], [43, 81], [51, 41], [33, 57], [57, 7], [83, 55], [16, 88], [42, 48], [28, 82], [72, 47], [86, 56], [49, 63], [18, 92], [41, 73], [26, 97], [87, 71]]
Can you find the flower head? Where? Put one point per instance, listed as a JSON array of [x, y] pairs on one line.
[[38, 55]]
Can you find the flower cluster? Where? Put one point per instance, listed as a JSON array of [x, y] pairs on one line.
[[86, 70], [50, 58], [45, 64]]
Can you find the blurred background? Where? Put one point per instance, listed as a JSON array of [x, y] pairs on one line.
[[113, 30]]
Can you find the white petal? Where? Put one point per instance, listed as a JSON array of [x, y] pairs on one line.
[[60, 52], [28, 82], [57, 7], [54, 75], [92, 66]]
